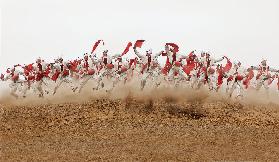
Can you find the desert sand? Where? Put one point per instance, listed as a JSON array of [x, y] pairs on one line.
[[164, 125]]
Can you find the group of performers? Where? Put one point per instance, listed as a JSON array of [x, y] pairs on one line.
[[195, 70]]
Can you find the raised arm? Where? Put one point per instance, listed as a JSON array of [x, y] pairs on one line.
[[183, 57], [219, 60], [158, 54]]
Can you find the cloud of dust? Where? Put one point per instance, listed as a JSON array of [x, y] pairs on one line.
[[132, 90]]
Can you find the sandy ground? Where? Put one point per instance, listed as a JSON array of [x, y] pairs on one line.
[[157, 127]]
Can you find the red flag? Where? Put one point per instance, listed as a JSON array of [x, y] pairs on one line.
[[228, 66], [175, 46], [127, 48], [96, 45], [138, 43]]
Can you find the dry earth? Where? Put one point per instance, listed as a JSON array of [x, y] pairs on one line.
[[140, 129]]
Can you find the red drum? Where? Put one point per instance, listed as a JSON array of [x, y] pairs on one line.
[[211, 71], [230, 78], [91, 72], [110, 66]]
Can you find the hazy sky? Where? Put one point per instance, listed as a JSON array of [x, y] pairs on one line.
[[247, 30]]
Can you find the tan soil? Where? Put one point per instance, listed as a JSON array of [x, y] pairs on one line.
[[140, 129]]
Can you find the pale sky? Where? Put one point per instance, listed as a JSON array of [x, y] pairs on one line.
[[246, 30]]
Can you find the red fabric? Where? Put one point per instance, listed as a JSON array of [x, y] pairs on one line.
[[167, 61], [15, 77], [239, 77], [30, 78], [73, 66], [138, 43], [29, 67], [199, 71], [220, 80], [26, 72], [123, 69], [164, 53], [65, 73], [166, 68], [132, 61], [258, 76], [175, 46], [39, 76], [55, 76], [220, 77], [165, 71], [46, 72], [96, 45], [228, 66], [177, 64], [127, 48], [270, 80], [230, 78], [250, 74], [249, 77], [189, 66]]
